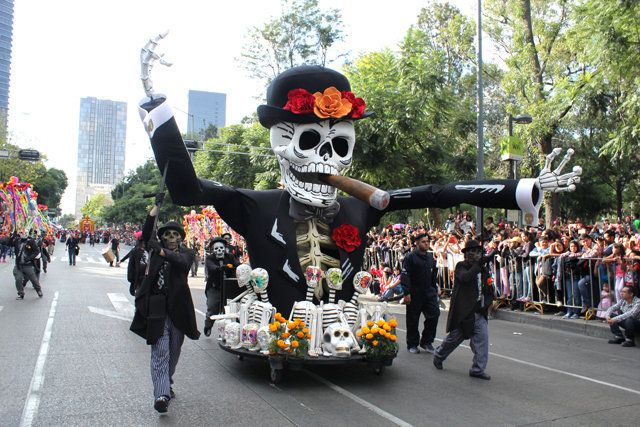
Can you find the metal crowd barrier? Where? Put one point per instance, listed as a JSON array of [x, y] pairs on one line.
[[575, 286]]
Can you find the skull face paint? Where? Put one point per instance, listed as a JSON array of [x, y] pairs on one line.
[[260, 279], [334, 279], [306, 149], [171, 239], [361, 281], [313, 275], [219, 250]]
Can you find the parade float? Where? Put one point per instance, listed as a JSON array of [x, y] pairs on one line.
[[20, 211], [301, 302]]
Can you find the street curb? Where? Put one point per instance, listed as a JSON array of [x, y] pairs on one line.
[[591, 328]]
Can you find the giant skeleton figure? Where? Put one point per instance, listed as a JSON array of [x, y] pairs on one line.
[[287, 230]]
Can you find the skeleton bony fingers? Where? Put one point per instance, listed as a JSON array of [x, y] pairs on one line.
[[148, 57]]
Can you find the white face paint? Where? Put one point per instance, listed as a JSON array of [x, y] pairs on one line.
[[219, 249], [171, 239], [307, 149]]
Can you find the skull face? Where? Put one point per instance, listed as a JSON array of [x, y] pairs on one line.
[[313, 275], [232, 334], [305, 150], [334, 279], [361, 281], [263, 339], [243, 274], [259, 279], [337, 340], [219, 249], [171, 239]]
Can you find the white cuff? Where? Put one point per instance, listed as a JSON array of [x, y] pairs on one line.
[[524, 198], [155, 118]]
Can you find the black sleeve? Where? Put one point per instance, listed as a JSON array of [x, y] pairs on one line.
[[405, 277], [464, 274], [181, 260], [126, 257], [147, 228]]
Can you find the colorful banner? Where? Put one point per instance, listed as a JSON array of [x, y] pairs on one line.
[[19, 209]]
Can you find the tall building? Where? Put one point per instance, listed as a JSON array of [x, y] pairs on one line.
[[206, 108], [6, 36], [101, 147]]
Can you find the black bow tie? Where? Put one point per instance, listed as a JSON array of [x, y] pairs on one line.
[[301, 212]]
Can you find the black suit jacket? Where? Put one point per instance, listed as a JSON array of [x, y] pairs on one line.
[[262, 217]]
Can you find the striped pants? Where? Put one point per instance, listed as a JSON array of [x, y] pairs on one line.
[[164, 359]]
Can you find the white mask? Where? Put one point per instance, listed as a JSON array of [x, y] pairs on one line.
[[310, 148]]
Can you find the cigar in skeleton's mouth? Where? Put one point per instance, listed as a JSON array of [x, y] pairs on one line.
[[375, 197]]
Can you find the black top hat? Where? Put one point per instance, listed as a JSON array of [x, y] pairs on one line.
[[171, 225], [311, 78], [472, 244], [218, 240]]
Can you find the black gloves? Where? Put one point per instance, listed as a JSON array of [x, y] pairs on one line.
[[154, 245]]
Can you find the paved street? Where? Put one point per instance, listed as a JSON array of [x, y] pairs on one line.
[[69, 359]]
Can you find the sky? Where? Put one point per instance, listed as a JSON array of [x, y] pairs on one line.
[[69, 49]]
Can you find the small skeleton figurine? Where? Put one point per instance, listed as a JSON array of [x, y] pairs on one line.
[[334, 282], [307, 311], [361, 282], [260, 312]]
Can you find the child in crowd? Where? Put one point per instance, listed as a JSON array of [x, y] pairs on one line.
[[605, 301]]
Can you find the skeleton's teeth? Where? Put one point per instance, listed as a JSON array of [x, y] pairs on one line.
[[316, 187], [308, 186], [312, 167], [323, 188], [303, 169]]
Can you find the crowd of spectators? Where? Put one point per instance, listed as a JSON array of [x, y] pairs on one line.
[[579, 268]]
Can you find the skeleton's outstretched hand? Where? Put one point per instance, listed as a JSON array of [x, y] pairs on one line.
[[148, 58], [554, 181]]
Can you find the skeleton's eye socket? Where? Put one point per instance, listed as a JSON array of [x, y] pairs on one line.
[[345, 334], [336, 334], [340, 146], [309, 139]]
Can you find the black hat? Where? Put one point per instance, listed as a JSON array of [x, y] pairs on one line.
[[171, 225], [218, 240], [310, 78], [472, 244]]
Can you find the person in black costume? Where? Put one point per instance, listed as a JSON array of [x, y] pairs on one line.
[[164, 308], [468, 313], [27, 254], [137, 266], [220, 264], [419, 279]]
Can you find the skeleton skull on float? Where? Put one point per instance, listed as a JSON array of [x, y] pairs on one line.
[[305, 150], [218, 250], [338, 341]]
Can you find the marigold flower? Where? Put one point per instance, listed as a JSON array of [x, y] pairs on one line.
[[294, 344], [393, 323], [365, 330], [386, 327], [300, 334], [305, 330], [370, 323], [281, 344], [369, 336], [285, 335], [330, 103], [380, 322], [359, 334], [291, 325], [393, 338], [277, 324], [273, 328], [302, 324], [375, 343], [375, 330], [308, 336], [277, 316]]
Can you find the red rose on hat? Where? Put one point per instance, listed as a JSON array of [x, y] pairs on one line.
[[357, 104], [346, 237], [300, 101]]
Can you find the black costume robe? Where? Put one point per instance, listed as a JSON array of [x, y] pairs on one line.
[[179, 305], [262, 217], [464, 297]]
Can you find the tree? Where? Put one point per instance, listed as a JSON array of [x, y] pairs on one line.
[[301, 34], [130, 204], [96, 205], [544, 77], [67, 221], [50, 187]]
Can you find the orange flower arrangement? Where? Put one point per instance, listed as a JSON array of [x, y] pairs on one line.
[[331, 103], [379, 338], [288, 337]]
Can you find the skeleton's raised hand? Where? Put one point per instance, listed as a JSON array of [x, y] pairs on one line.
[[148, 58], [555, 181]]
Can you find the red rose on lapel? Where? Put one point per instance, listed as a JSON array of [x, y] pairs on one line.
[[346, 237]]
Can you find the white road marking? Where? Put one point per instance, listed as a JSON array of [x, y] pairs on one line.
[[556, 371], [384, 414], [30, 409], [124, 310], [1, 307]]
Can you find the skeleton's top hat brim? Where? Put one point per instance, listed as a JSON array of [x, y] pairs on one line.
[[171, 225], [311, 78]]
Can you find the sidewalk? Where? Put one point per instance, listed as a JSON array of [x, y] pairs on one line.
[[591, 328]]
